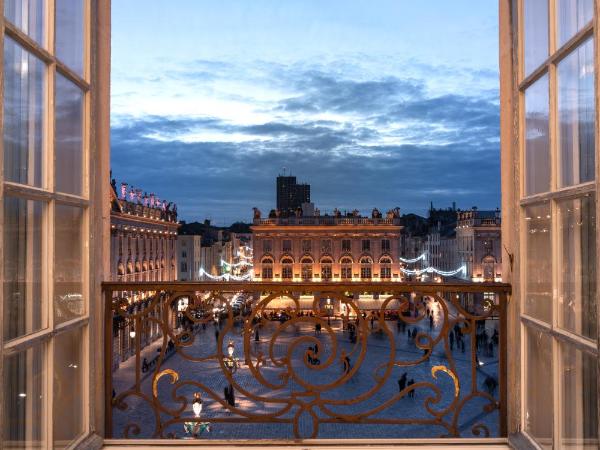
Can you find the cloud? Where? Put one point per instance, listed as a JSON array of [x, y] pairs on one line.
[[361, 140]]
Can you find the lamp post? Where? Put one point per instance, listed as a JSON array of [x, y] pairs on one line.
[[231, 363], [193, 429]]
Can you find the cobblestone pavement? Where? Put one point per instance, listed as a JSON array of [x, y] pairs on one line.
[[367, 377]]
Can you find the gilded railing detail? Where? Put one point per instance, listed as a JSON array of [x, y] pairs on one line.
[[260, 353]]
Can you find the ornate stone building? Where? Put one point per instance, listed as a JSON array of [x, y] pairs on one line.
[[327, 248], [479, 244], [143, 247], [143, 244]]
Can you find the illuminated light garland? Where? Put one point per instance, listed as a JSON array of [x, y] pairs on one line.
[[226, 277], [430, 269], [414, 260], [240, 264]]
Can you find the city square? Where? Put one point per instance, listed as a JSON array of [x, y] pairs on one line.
[[372, 389]]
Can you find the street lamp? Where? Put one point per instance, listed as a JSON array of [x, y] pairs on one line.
[[193, 429], [231, 363]]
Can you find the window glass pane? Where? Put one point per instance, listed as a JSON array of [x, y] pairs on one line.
[[535, 28], [577, 253], [69, 33], [68, 263], [538, 387], [68, 391], [572, 16], [579, 387], [538, 262], [23, 255], [24, 399], [576, 113], [28, 16], [69, 137], [537, 147], [24, 99]]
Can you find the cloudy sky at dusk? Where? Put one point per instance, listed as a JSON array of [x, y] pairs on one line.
[[374, 103]]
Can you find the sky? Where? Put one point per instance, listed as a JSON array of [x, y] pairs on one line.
[[378, 103]]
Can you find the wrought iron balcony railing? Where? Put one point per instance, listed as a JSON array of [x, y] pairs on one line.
[[304, 360]]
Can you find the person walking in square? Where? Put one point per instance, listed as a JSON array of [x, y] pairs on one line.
[[402, 382], [411, 393]]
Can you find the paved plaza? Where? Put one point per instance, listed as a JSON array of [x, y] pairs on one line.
[[368, 394]]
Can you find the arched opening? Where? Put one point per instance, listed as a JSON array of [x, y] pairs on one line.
[[346, 268], [385, 268], [488, 265], [267, 268], [287, 268], [306, 268], [326, 268], [366, 268]]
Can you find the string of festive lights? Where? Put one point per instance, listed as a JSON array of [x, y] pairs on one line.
[[226, 276], [414, 260], [431, 269], [235, 265]]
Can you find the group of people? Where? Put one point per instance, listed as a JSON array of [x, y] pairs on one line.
[[403, 383]]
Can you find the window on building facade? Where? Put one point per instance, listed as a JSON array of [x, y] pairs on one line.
[[558, 217], [385, 246], [286, 245], [366, 267], [306, 269], [267, 246], [287, 268], [346, 265], [346, 245], [326, 246], [326, 268], [385, 268], [306, 245], [366, 245], [46, 132], [267, 269]]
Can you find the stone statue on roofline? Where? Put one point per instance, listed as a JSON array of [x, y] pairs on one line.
[[256, 212], [375, 214]]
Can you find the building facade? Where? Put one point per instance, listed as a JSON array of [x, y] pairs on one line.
[[549, 141], [143, 247], [479, 244], [143, 239], [327, 248], [290, 194], [189, 257]]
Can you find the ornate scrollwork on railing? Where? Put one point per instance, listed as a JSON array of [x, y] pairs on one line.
[[423, 360]]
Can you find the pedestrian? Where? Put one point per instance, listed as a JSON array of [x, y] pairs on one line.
[[414, 333], [372, 321], [451, 336], [430, 322], [411, 393], [402, 382], [216, 335], [256, 336], [491, 349], [408, 333], [490, 384], [347, 365]]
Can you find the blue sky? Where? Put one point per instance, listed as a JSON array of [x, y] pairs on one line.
[[374, 103]]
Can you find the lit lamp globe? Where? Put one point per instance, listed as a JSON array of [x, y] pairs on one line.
[[230, 349], [197, 405], [132, 334]]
